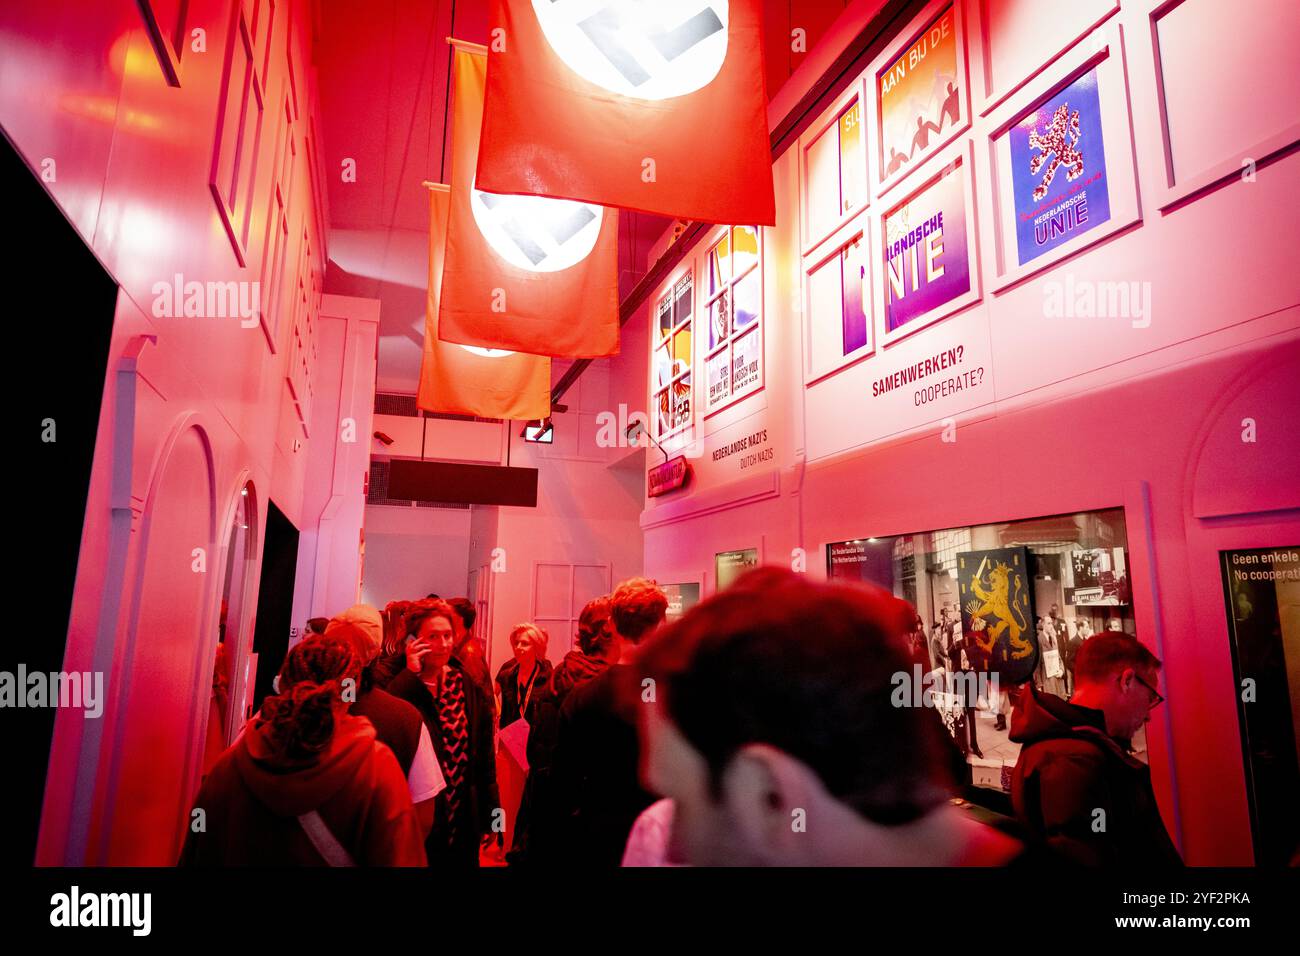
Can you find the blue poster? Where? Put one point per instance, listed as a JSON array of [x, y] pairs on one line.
[[1058, 169]]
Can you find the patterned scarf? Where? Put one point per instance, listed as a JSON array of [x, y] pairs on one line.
[[454, 722]]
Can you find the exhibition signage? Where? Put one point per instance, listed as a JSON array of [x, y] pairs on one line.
[[926, 256], [1058, 169], [669, 476], [730, 565]]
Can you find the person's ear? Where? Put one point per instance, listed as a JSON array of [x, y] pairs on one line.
[[769, 795]]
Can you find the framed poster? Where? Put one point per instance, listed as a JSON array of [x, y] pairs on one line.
[[1096, 576], [833, 169], [927, 258], [672, 357], [997, 614], [837, 301], [681, 598], [1262, 594], [729, 565], [1017, 41], [1061, 156], [1060, 139], [921, 94], [733, 310], [1213, 133]]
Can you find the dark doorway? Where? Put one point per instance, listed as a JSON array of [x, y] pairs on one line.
[[274, 601], [61, 304]]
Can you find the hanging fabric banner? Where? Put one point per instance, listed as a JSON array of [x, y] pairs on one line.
[[659, 107], [465, 379], [524, 273]]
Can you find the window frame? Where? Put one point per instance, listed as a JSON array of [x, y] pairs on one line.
[[660, 341], [727, 344]]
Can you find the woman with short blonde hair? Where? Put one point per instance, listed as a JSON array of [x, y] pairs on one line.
[[523, 676]]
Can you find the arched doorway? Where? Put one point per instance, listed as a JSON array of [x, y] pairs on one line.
[[164, 673]]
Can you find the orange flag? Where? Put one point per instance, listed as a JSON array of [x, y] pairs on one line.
[[526, 273], [465, 380], [655, 106]]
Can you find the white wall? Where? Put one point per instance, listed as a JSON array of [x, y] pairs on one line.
[[411, 552], [197, 409]]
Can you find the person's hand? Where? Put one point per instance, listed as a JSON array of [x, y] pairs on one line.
[[416, 651]]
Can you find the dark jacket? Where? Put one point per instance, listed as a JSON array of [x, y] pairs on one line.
[[539, 835], [397, 723], [597, 787], [482, 775], [1069, 768], [575, 670], [508, 687], [471, 657]]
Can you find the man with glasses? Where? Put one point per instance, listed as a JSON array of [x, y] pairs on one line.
[[1077, 784]]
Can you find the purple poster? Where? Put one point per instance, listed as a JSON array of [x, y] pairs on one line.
[[1058, 169], [926, 259], [853, 272]]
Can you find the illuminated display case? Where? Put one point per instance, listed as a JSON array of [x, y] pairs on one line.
[[1015, 600]]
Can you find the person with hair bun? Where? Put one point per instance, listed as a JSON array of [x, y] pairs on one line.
[[307, 784]]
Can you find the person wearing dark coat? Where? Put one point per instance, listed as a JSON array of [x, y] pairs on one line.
[[538, 829], [470, 652], [598, 788], [460, 721], [1077, 785], [522, 678]]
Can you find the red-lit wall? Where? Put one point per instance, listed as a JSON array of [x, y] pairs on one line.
[[129, 138], [1079, 413]]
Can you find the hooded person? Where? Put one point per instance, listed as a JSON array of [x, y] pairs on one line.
[[398, 725], [1077, 785], [307, 784]]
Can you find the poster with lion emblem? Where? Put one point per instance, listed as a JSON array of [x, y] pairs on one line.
[[1058, 167], [996, 587]]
